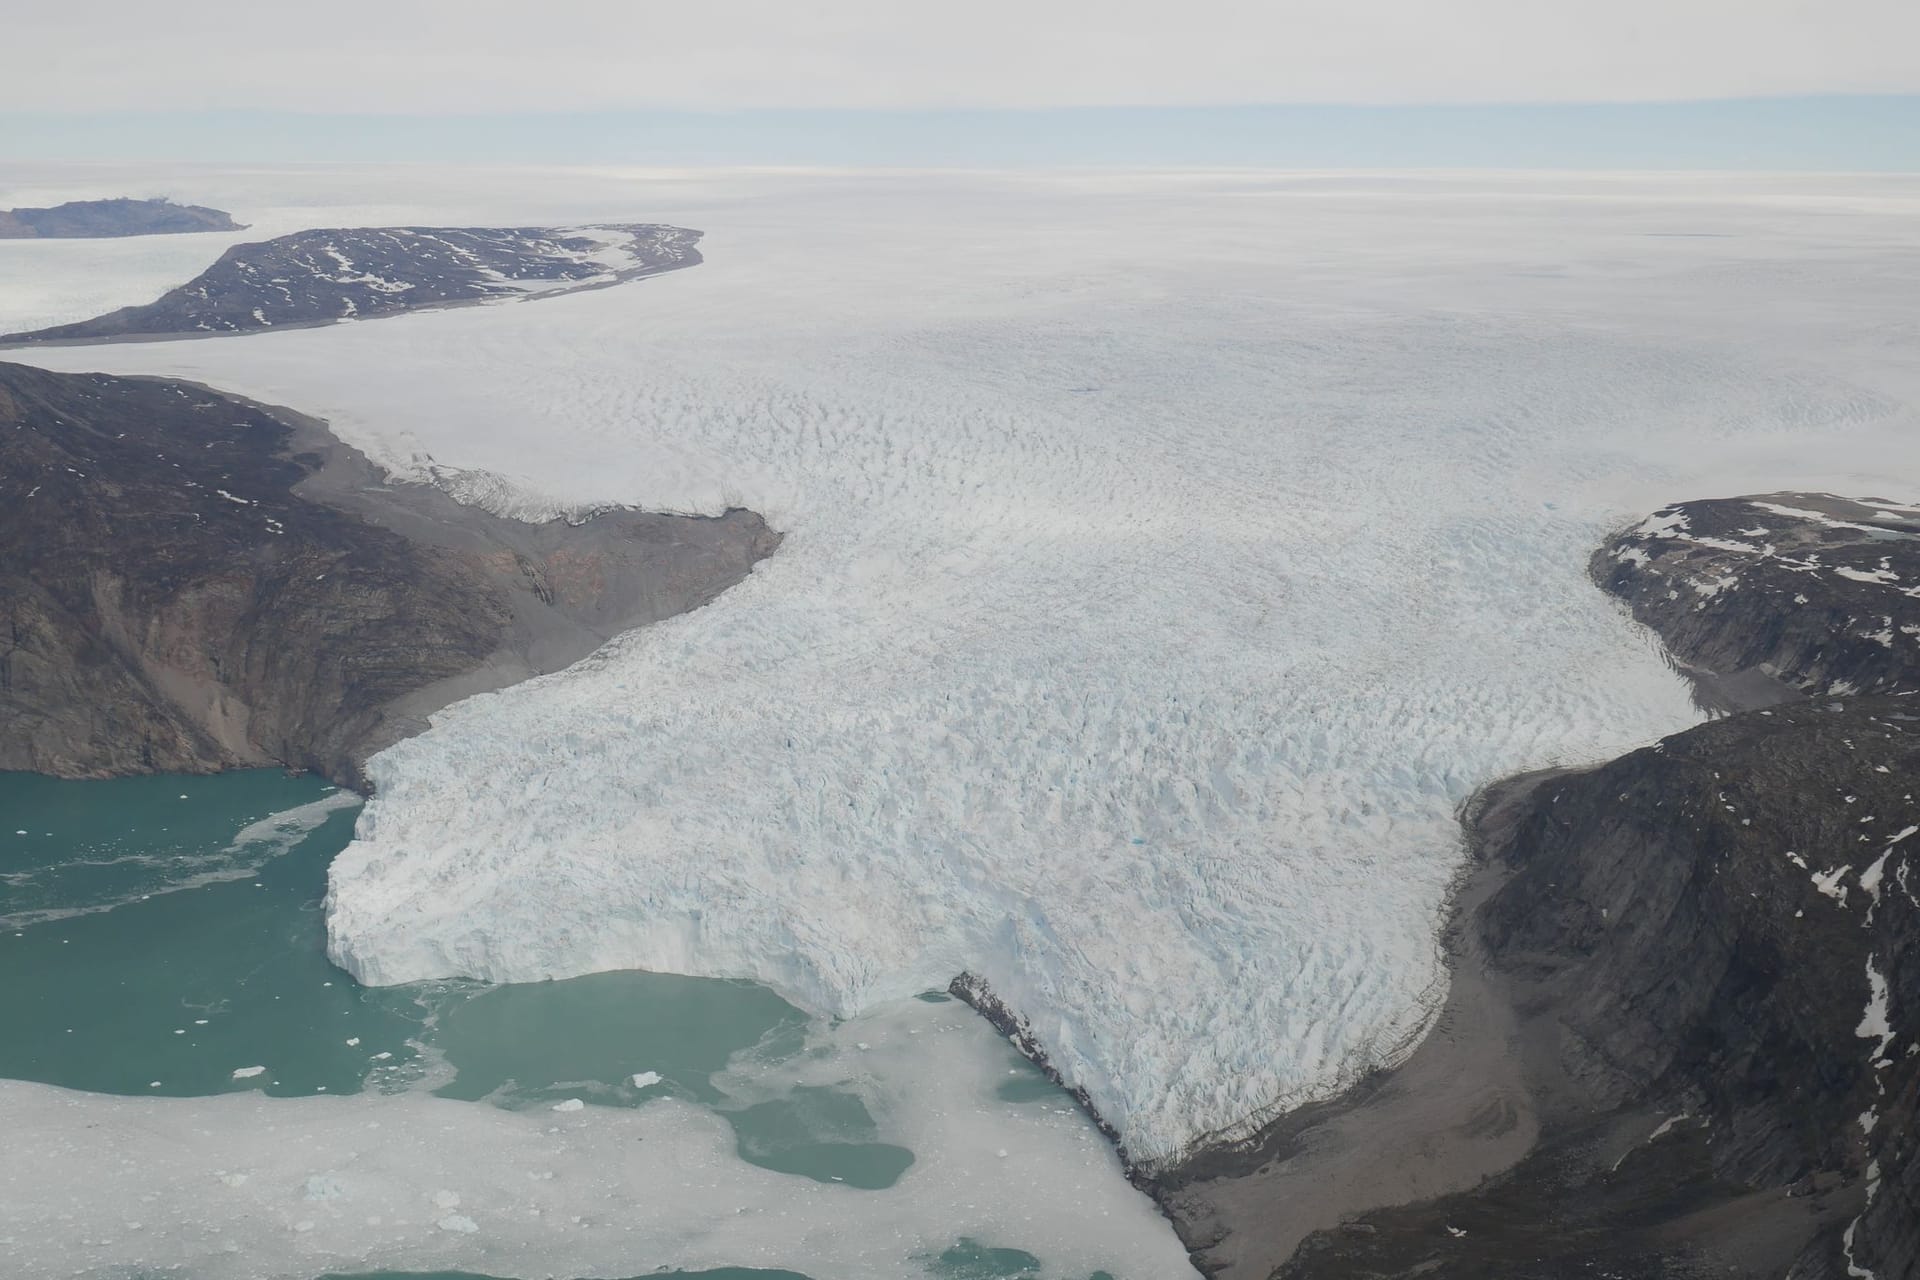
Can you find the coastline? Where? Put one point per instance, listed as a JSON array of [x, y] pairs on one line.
[[1461, 1108], [319, 614], [27, 341], [571, 586], [1647, 1061]]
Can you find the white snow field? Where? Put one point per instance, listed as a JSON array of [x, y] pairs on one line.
[[1167, 557]]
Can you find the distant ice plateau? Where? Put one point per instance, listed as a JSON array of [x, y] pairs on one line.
[[1167, 557]]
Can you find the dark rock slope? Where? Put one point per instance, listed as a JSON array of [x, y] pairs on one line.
[[110, 218], [1707, 952], [324, 276], [1818, 592], [192, 582], [1706, 938]]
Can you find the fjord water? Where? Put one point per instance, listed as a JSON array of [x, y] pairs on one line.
[[149, 949], [163, 936], [967, 1260], [121, 981], [724, 1273]]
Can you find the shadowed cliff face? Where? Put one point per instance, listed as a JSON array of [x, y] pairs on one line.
[[1714, 921], [189, 582], [1706, 952], [1703, 937]]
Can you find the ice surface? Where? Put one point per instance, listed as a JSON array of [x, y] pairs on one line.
[[1167, 556], [246, 1187]]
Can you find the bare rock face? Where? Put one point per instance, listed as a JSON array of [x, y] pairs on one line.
[[190, 582], [329, 275], [1811, 590], [1708, 950], [1715, 945], [97, 219]]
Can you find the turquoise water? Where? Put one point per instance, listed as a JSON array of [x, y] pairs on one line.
[[117, 985], [171, 992], [724, 1273], [159, 935], [966, 1260], [1028, 1086]]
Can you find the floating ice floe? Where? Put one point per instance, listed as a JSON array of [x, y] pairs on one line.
[[378, 1177]]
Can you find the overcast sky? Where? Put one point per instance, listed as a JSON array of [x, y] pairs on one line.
[[442, 57]]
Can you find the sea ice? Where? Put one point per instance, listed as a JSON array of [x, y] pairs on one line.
[[1167, 556], [419, 1183]]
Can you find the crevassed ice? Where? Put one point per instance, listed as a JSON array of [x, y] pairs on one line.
[[1166, 560]]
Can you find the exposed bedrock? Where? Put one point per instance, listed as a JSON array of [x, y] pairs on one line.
[[191, 582], [345, 273], [1804, 592], [105, 219], [1682, 1035]]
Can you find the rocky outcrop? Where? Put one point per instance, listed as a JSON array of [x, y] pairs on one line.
[[190, 582], [92, 219], [1806, 589], [1702, 962], [325, 276], [1706, 936], [977, 994]]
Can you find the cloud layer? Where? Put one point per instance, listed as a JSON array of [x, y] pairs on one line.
[[442, 56]]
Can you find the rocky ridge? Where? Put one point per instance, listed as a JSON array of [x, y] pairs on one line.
[[1682, 1037], [1811, 593], [329, 275], [100, 219], [191, 582]]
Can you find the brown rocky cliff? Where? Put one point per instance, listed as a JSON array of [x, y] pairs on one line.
[[169, 602], [1691, 947]]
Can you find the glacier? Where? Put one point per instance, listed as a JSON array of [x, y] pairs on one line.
[[1167, 557]]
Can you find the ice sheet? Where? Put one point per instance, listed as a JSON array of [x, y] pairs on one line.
[[1167, 557]]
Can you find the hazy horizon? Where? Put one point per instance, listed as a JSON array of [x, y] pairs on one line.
[[1827, 133]]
